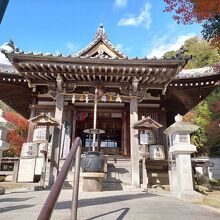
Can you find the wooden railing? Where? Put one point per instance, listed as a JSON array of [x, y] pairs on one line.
[[47, 210]]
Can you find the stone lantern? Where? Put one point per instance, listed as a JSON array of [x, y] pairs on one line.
[[180, 150], [4, 127], [146, 126], [41, 137]]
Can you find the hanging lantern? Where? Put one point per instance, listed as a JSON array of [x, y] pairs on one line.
[[118, 99], [73, 99], [110, 98], [81, 98], [104, 98], [87, 99]]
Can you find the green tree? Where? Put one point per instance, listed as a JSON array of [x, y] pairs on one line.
[[203, 54], [169, 54], [213, 129], [207, 113], [203, 118]]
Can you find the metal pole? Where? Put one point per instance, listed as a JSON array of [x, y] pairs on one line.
[[76, 184], [90, 141], [95, 119], [48, 207]]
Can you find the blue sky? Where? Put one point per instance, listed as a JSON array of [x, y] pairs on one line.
[[137, 27]]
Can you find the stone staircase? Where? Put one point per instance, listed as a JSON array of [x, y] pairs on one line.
[[69, 179], [118, 175]]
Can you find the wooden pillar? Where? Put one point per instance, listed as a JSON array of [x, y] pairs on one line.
[[135, 175], [74, 125], [55, 153], [33, 114], [124, 126]]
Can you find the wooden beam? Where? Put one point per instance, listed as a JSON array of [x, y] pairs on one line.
[[81, 69], [55, 154], [78, 77], [123, 71], [72, 77], [50, 67], [49, 77], [130, 71], [43, 67], [29, 66], [88, 77], [63, 68], [56, 67], [67, 76], [111, 77], [87, 70], [93, 69], [42, 75], [82, 76], [122, 78], [68, 68], [106, 70]]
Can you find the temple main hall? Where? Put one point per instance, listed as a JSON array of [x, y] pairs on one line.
[[125, 89]]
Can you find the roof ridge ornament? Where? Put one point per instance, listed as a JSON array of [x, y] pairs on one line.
[[8, 47], [101, 32]]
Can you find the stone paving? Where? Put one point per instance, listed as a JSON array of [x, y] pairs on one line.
[[23, 204]]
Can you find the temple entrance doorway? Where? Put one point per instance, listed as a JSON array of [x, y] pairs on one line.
[[110, 122]]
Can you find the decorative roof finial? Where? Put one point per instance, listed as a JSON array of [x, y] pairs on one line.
[[101, 31], [11, 44], [178, 118]]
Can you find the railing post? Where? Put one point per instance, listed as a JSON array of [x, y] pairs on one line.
[[48, 206], [76, 183]]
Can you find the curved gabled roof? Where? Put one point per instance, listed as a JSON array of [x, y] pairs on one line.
[[5, 65], [101, 47]]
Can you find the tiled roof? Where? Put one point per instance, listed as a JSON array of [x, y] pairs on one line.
[[196, 73], [5, 65], [7, 68]]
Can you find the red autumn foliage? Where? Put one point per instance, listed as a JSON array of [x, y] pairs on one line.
[[213, 130], [197, 11], [190, 11], [216, 106], [190, 117], [17, 137]]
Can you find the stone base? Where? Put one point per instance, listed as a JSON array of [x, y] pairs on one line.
[[191, 196], [92, 182], [2, 191], [39, 188]]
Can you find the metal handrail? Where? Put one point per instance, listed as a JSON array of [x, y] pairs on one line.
[[48, 207]]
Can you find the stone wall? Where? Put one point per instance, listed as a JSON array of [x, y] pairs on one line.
[[214, 172]]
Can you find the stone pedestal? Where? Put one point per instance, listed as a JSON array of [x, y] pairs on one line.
[[4, 127], [180, 173], [182, 183], [92, 182]]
